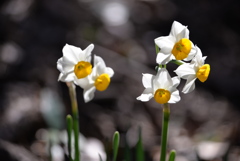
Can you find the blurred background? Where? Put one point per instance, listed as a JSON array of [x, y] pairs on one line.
[[204, 125]]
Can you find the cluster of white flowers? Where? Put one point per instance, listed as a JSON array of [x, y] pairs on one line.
[[174, 47], [75, 66]]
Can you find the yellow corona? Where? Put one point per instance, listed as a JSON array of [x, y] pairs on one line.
[[182, 48], [203, 72], [82, 69], [162, 96], [102, 82]]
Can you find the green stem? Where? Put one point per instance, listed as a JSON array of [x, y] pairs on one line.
[[73, 97], [160, 66], [69, 133], [166, 114], [178, 62]]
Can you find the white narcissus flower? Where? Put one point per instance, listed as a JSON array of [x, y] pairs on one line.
[[176, 45], [74, 63], [162, 87], [192, 71], [99, 79]]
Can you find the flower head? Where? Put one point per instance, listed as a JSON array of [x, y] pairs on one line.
[[74, 63], [176, 45], [99, 79], [192, 71], [162, 87]]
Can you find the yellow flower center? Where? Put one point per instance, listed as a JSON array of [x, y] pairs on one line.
[[102, 82], [182, 48], [82, 69], [162, 96], [203, 72]]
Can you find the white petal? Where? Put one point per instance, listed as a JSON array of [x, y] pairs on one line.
[[88, 52], [198, 60], [98, 59], [165, 43], [67, 68], [70, 57], [66, 77], [192, 53], [109, 71], [100, 65], [185, 70], [59, 65], [64, 66], [67, 65], [176, 28], [84, 82], [183, 34], [100, 68], [176, 81], [70, 53], [163, 80], [199, 53], [94, 73], [146, 95], [190, 85], [88, 93], [204, 58], [175, 97], [147, 80], [60, 77], [163, 58]]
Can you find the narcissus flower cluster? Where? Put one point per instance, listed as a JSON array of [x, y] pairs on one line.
[[75, 66], [179, 49]]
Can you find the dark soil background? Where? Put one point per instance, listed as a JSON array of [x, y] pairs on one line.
[[204, 124]]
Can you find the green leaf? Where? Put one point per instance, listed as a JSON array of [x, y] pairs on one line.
[[172, 155], [115, 145], [139, 148]]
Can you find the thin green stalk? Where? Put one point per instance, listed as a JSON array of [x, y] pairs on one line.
[[178, 62], [73, 97], [172, 155], [166, 114], [69, 133], [160, 66]]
